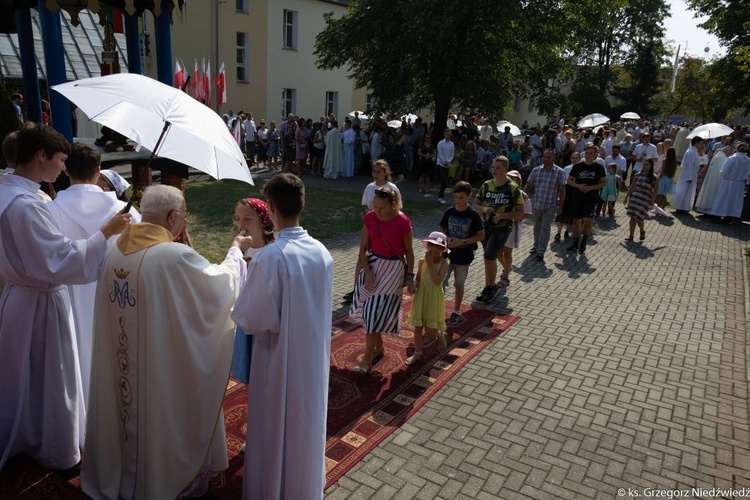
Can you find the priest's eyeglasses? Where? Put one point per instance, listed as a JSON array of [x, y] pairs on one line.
[[185, 214]]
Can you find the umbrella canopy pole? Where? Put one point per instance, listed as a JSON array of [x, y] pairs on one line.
[[138, 190]]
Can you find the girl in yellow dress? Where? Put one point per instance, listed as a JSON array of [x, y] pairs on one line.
[[428, 308]]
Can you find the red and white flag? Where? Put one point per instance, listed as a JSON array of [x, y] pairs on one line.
[[180, 73], [221, 85], [197, 83], [207, 84]]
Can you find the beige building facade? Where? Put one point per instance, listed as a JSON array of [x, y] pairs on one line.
[[267, 46]]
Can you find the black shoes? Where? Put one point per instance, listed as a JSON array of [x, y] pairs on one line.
[[487, 294]]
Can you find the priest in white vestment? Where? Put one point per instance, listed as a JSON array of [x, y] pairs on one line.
[[160, 361], [80, 210], [41, 405], [730, 197], [286, 303], [688, 180], [348, 150], [332, 160], [712, 180]]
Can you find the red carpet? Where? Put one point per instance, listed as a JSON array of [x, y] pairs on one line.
[[362, 410]]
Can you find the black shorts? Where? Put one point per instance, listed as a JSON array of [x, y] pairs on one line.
[[583, 207]]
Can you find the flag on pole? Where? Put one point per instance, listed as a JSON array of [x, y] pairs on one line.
[[197, 82], [676, 66], [201, 83], [179, 73], [221, 85], [207, 84]]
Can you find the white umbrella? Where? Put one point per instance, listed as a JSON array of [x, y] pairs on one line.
[[394, 123], [362, 115], [592, 120], [409, 118], [630, 116], [513, 129], [710, 131], [162, 119]]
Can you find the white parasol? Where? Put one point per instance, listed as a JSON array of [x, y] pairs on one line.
[[592, 120], [630, 116], [710, 131], [162, 119]]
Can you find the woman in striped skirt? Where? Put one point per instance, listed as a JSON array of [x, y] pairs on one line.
[[642, 196], [386, 251]]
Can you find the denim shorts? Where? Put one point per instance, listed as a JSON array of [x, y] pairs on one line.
[[494, 242]]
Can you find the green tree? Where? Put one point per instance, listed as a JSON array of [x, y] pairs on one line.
[[616, 34], [472, 54], [697, 94], [729, 20]]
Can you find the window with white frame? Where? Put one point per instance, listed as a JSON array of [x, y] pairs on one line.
[[332, 103], [288, 102], [289, 30], [242, 52], [517, 105], [531, 106], [242, 6], [369, 103]]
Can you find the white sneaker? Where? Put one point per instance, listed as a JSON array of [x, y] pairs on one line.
[[441, 201]]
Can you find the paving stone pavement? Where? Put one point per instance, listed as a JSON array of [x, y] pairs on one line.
[[627, 370]]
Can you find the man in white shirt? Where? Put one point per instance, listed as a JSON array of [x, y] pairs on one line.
[[608, 142], [486, 131], [446, 150], [617, 159], [642, 151]]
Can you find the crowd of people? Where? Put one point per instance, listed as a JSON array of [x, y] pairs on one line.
[[92, 349], [116, 342]]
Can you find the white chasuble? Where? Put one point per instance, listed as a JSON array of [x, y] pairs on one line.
[[160, 365]]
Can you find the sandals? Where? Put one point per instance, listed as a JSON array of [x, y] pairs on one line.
[[414, 358], [629, 238], [643, 235], [442, 341], [363, 368]]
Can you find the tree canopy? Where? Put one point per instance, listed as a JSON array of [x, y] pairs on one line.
[[472, 54], [729, 20]]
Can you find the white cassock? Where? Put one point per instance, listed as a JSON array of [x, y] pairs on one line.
[[375, 148], [687, 182], [286, 303], [41, 405], [160, 366], [348, 153], [42, 196], [731, 194], [80, 211], [332, 159], [710, 183]]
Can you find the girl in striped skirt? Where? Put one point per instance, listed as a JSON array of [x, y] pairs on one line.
[[642, 196], [386, 251]]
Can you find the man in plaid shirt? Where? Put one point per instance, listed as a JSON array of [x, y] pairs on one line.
[[548, 182]]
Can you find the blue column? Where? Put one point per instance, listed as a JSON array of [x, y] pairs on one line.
[[31, 96], [133, 39], [54, 55], [162, 33]]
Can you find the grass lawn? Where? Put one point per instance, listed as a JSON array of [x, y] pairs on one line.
[[211, 204]]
